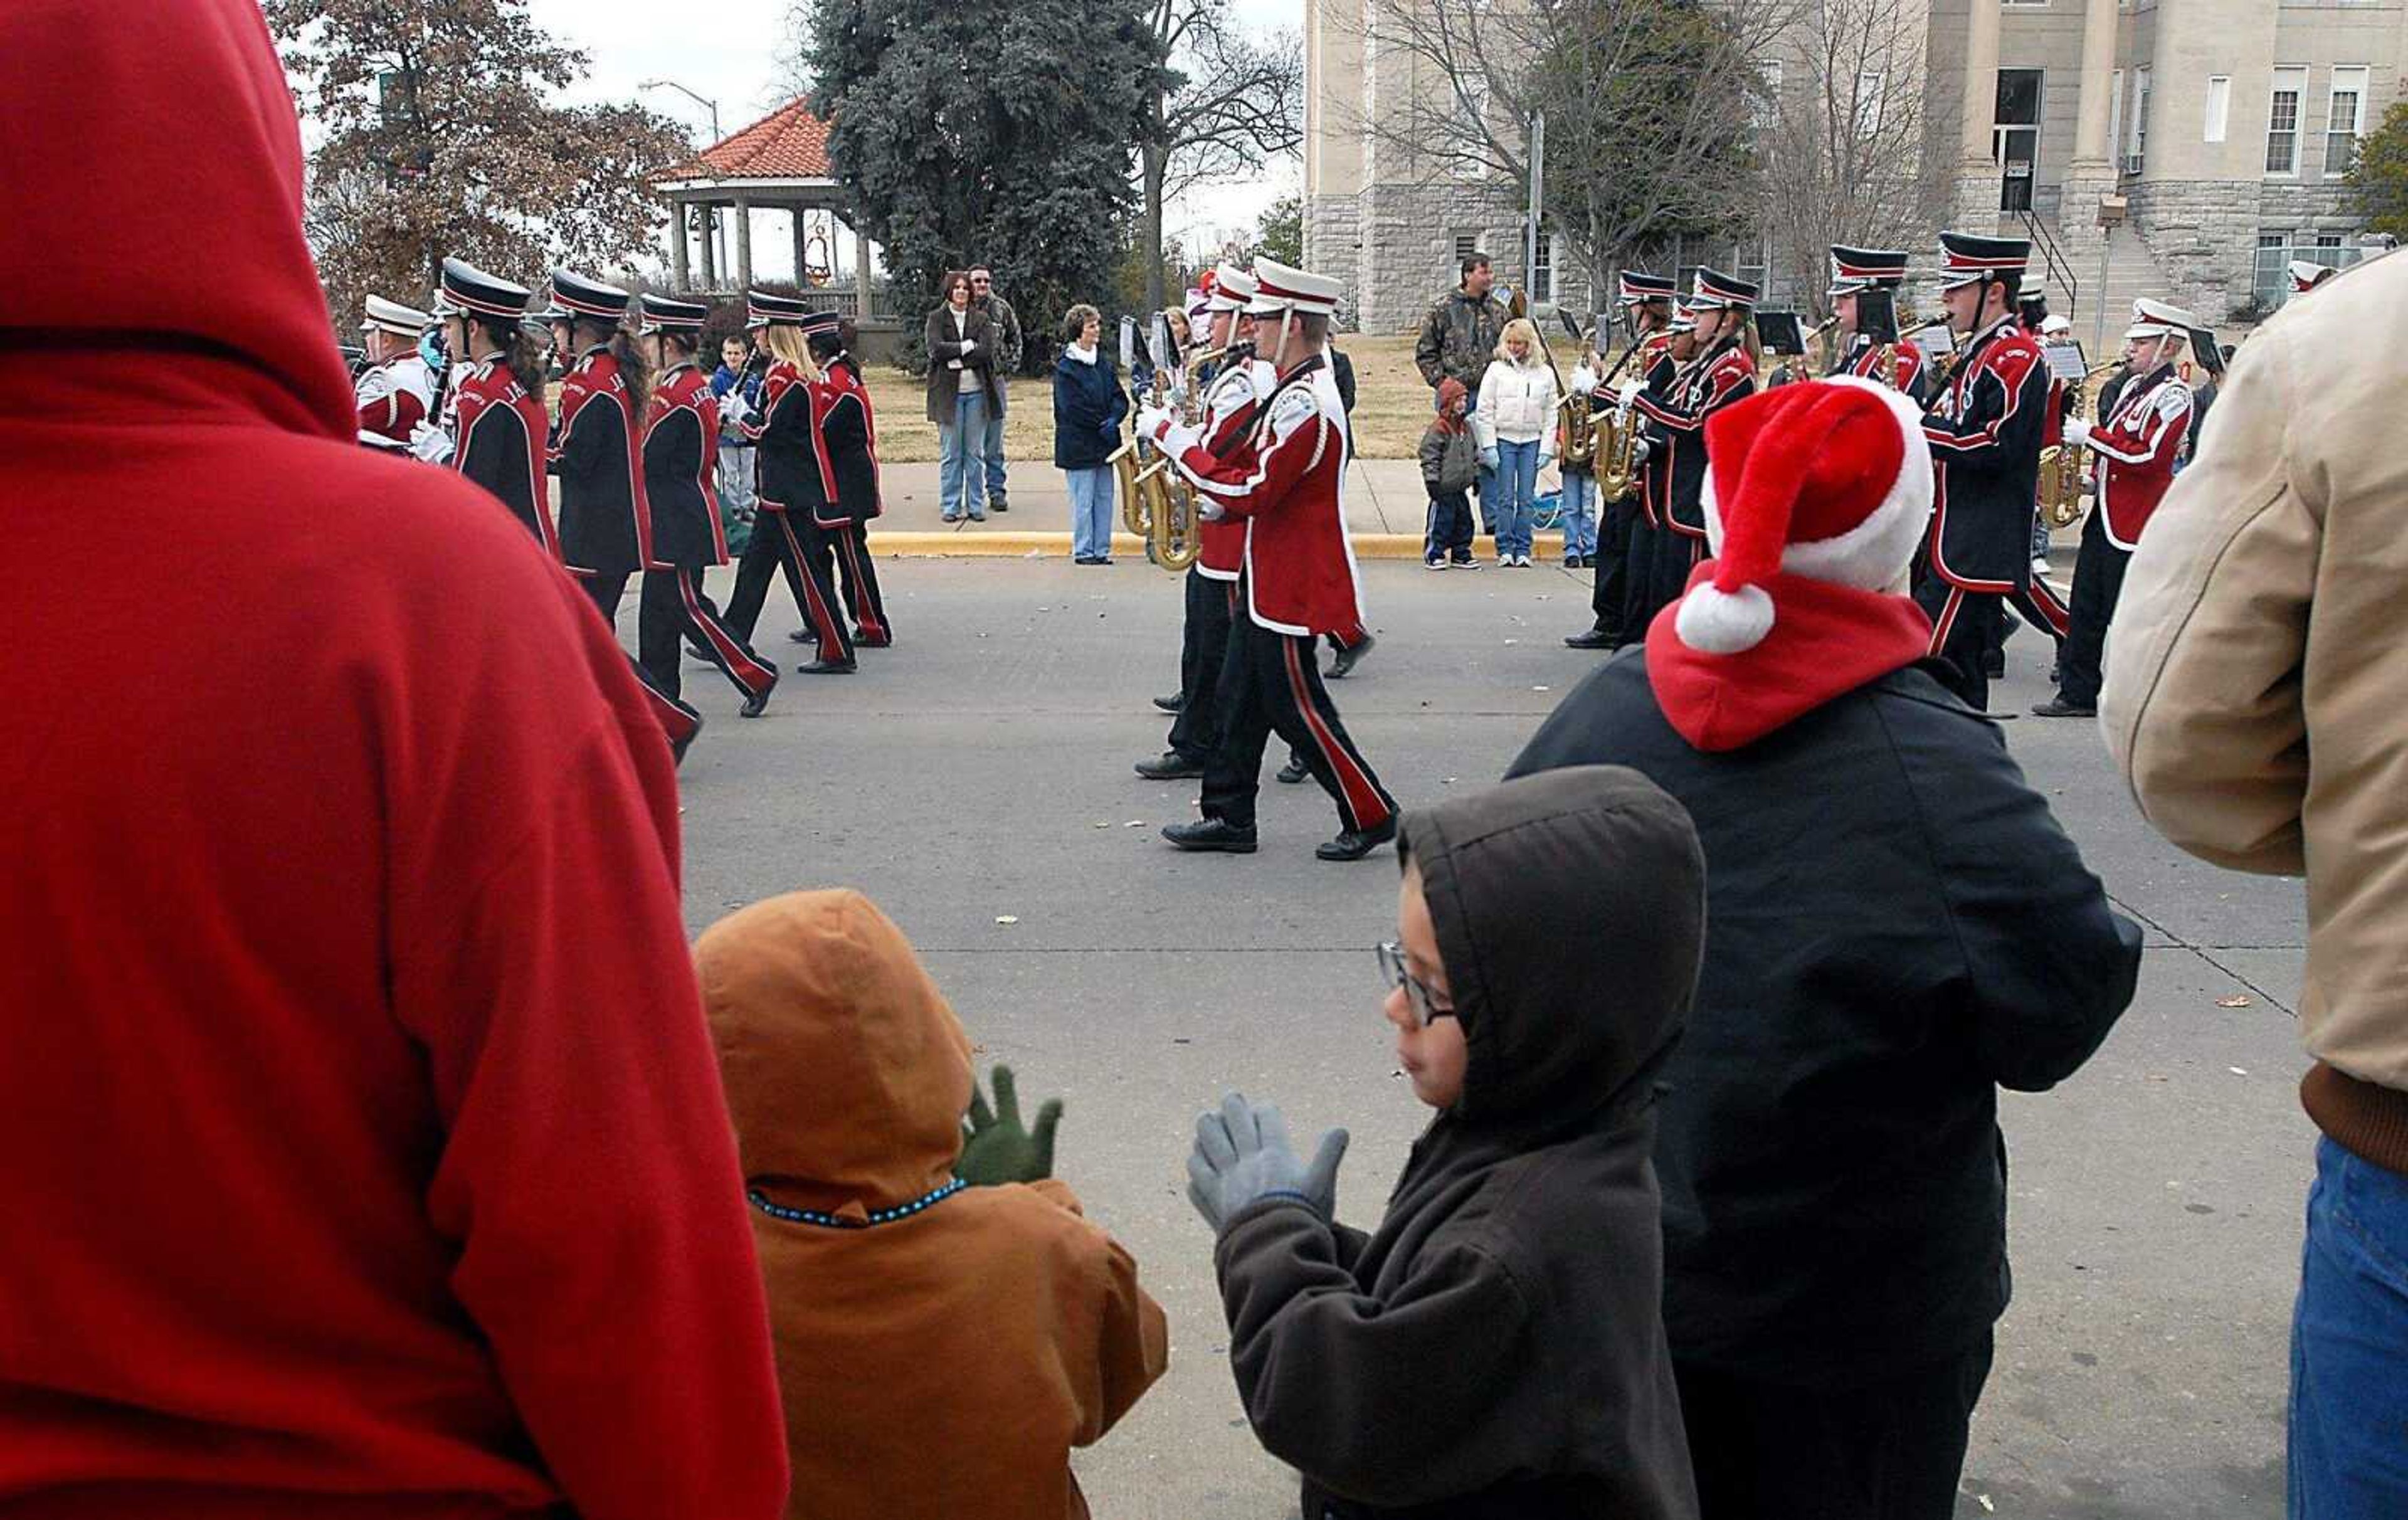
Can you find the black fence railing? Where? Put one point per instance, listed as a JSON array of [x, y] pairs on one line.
[[2053, 260]]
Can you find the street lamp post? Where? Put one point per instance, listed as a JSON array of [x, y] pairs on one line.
[[710, 221]]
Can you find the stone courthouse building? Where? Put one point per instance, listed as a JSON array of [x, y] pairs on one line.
[[2213, 133]]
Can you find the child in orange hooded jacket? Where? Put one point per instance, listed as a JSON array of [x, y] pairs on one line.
[[940, 1348]]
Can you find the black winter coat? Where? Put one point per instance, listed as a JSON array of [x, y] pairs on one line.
[[1896, 926], [1087, 401], [1494, 1350]]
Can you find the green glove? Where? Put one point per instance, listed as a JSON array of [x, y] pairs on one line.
[[996, 1148]]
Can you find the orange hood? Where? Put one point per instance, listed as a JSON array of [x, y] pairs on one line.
[[847, 1073]]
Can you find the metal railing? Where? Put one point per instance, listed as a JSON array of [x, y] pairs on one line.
[[2053, 261]]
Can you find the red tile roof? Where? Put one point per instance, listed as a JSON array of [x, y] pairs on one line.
[[788, 143]]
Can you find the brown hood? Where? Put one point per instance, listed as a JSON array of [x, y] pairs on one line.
[[847, 1073]]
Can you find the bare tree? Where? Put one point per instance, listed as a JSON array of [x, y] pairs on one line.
[[1654, 108], [1848, 136], [1229, 103]]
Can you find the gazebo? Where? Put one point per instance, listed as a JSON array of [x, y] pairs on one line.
[[778, 162]]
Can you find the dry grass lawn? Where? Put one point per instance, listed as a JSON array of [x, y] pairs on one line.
[[1392, 406]]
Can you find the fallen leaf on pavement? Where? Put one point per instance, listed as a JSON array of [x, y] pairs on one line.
[[1007, 918], [2239, 999]]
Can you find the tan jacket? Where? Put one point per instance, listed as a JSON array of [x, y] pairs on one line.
[[940, 1363], [2262, 616]]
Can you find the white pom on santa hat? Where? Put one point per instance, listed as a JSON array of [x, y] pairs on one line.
[[1830, 479]]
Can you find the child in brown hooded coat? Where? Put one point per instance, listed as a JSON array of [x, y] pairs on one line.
[[940, 1349]]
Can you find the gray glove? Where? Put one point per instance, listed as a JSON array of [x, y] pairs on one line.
[[1242, 1156]]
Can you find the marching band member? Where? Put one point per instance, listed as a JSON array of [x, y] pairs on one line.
[[847, 446], [2306, 275], [1722, 374], [790, 483], [605, 521], [499, 428], [2136, 445], [1984, 422], [1854, 272], [1232, 395], [395, 393], [1625, 528], [681, 452], [1286, 481]]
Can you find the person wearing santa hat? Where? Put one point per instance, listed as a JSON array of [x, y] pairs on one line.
[[2137, 444], [1898, 927]]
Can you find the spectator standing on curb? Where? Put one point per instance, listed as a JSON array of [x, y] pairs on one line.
[[1457, 339], [1003, 326], [1088, 406], [2258, 629], [1513, 422], [961, 368], [1450, 463]]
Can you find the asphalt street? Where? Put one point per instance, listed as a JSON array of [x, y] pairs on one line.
[[975, 782]]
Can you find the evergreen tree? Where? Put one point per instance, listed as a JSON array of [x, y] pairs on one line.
[[440, 137], [999, 134]]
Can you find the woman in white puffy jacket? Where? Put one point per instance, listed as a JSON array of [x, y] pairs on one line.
[[1515, 426]]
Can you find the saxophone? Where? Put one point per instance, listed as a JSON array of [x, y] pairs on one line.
[[1580, 429], [2064, 466]]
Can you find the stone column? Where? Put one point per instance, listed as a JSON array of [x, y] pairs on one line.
[[676, 244], [710, 253], [2091, 176], [743, 243], [1977, 173]]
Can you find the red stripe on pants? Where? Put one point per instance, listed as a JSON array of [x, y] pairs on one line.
[[867, 614], [750, 673], [823, 625], [1362, 798]]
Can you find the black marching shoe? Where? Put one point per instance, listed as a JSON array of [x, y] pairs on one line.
[[863, 641], [696, 652], [1172, 767], [827, 668], [1291, 773], [803, 636], [1355, 843], [1172, 704], [1348, 658], [758, 702], [1593, 639], [2057, 707], [1211, 834]]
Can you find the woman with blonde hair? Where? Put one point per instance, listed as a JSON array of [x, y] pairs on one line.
[[1514, 428], [790, 482]]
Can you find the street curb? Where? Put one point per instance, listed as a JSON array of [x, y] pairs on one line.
[[1017, 545]]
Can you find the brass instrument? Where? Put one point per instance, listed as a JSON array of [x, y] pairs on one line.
[[1617, 454], [2065, 467], [1580, 430], [1155, 503], [1798, 364]]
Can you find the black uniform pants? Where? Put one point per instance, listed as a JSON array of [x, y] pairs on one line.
[[672, 610], [1609, 568], [1890, 1451], [1271, 683], [849, 546], [678, 722], [1203, 646], [1661, 559], [776, 545], [1964, 626], [2097, 586]]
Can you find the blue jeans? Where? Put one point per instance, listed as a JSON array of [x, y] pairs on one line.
[[1517, 482], [2349, 1344], [1090, 509], [1580, 529], [961, 488], [995, 456]]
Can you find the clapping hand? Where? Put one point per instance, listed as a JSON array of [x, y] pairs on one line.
[[996, 1148], [1242, 1156]]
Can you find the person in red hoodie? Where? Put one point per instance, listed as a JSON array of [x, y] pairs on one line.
[[366, 1152]]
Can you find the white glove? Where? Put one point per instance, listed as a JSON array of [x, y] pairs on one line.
[[1152, 420], [970, 347], [2077, 432], [1209, 509], [430, 443], [1627, 391], [1640, 449], [1583, 381]]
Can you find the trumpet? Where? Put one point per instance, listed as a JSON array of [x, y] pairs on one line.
[[2063, 467], [1796, 364]]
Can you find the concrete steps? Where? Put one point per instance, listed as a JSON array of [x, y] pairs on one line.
[[2102, 313]]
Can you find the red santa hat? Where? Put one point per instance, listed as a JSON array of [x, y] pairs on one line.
[[1830, 479]]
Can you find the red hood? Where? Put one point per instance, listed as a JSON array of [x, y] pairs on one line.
[[1827, 641], [155, 192]]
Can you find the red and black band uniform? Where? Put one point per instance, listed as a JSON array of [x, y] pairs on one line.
[[2136, 444], [499, 445], [1299, 583], [838, 535], [2036, 603], [1631, 526], [681, 434], [1901, 371], [1984, 425], [606, 527], [1231, 399], [791, 488], [1720, 378]]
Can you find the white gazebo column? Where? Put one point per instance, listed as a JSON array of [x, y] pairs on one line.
[[676, 244], [1977, 172], [743, 243], [709, 253], [799, 230]]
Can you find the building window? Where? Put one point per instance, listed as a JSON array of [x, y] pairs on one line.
[[2283, 122], [1542, 273], [1471, 161], [2343, 119], [2272, 276], [2219, 105], [2133, 156], [1465, 245], [1869, 103], [2115, 112]]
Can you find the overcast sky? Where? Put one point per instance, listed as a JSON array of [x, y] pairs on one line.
[[727, 50]]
